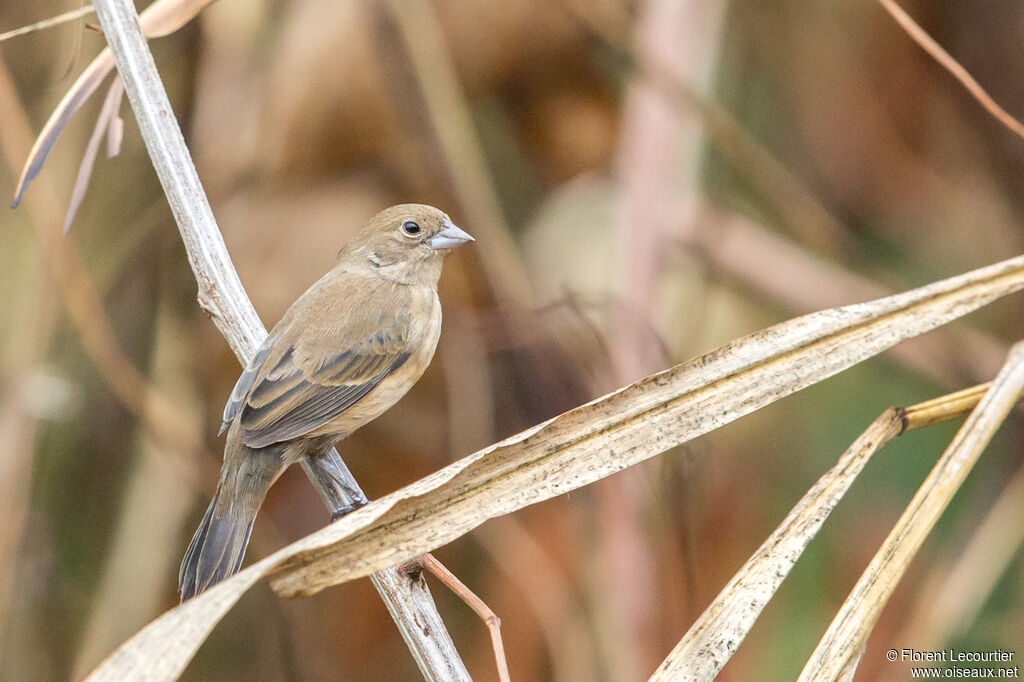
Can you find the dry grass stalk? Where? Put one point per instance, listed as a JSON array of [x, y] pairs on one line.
[[841, 647], [718, 633], [480, 608], [954, 67]]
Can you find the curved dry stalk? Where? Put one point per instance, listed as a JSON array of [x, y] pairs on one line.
[[841, 647], [718, 632], [956, 590], [572, 450], [161, 18], [222, 295], [479, 606], [929, 45], [547, 590]]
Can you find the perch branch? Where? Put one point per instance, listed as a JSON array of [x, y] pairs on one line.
[[222, 295]]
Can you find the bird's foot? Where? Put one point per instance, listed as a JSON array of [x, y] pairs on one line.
[[344, 510]]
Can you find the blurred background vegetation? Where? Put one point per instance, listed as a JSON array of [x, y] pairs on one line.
[[646, 180]]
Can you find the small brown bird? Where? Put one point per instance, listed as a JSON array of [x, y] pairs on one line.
[[345, 352]]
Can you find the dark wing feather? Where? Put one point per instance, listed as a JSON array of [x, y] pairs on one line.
[[302, 391], [244, 383]]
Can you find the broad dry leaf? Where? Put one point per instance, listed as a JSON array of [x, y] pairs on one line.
[[572, 450]]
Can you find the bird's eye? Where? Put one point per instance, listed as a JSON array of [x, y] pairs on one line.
[[411, 228]]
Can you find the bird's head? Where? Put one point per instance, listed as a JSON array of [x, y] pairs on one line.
[[407, 243]]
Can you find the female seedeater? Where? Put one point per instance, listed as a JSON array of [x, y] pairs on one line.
[[345, 352]]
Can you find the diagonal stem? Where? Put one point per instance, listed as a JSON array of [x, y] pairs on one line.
[[222, 295]]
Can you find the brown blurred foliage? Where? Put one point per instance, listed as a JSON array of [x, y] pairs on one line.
[[620, 141]]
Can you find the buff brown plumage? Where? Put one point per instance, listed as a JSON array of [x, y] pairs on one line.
[[346, 351]]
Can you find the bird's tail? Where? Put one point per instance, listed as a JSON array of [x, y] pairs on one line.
[[218, 546]]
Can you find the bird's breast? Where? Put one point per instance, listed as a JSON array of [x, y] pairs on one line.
[[424, 332]]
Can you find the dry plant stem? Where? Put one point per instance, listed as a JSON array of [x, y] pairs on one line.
[[545, 587], [718, 632], [955, 591], [48, 23], [411, 606], [944, 408], [840, 648], [222, 295], [480, 608], [959, 72], [159, 19], [572, 450]]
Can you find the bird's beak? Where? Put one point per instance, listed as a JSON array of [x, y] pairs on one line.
[[449, 237]]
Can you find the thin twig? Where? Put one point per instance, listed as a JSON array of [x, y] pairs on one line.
[[480, 608], [547, 589], [953, 66], [48, 23], [222, 295]]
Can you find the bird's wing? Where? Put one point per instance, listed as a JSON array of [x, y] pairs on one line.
[[321, 375], [245, 383]]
